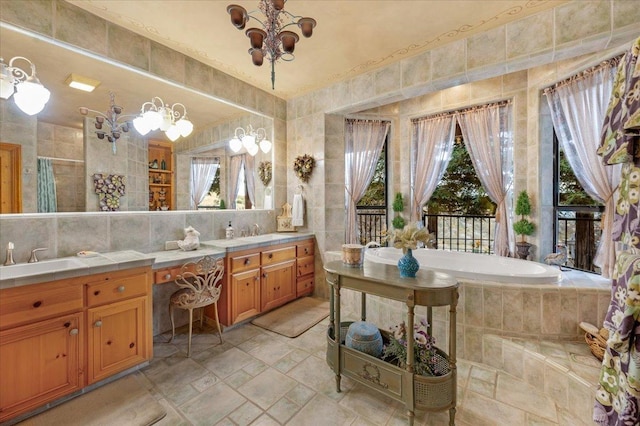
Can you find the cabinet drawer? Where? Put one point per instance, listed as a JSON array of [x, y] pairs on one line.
[[305, 249], [305, 266], [304, 286], [31, 303], [270, 257], [102, 292], [169, 274], [244, 263], [372, 372]]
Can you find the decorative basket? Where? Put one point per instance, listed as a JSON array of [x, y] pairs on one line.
[[596, 339]]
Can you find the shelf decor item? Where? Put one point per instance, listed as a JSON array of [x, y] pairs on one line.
[[523, 227], [303, 167]]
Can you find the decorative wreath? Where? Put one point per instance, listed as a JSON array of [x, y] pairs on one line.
[[303, 166], [264, 172]]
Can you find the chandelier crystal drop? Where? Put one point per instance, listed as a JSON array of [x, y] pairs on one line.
[[272, 40], [156, 115], [250, 139], [28, 93]]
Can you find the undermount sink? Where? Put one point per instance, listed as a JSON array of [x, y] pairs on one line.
[[263, 238], [45, 266]]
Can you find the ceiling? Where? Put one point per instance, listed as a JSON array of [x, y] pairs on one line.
[[351, 37]]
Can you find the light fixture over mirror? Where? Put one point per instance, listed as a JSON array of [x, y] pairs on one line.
[[271, 41], [28, 93], [160, 116], [251, 139]]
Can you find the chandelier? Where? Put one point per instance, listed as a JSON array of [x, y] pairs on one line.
[[271, 41], [30, 95], [110, 119], [171, 121], [251, 140]]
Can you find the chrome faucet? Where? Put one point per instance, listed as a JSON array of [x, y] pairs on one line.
[[34, 258], [256, 230], [9, 259]]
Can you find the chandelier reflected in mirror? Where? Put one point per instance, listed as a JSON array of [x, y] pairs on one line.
[[114, 129], [250, 139], [172, 120], [272, 41], [28, 93]]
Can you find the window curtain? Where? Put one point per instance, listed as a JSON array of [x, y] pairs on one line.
[[46, 187], [578, 108], [364, 140], [235, 167], [249, 177], [431, 147], [488, 135], [203, 170]]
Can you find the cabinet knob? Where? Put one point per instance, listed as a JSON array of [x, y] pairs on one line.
[[37, 304], [264, 275], [306, 251], [121, 289], [167, 277], [247, 261], [73, 332], [97, 292], [98, 323], [270, 255]]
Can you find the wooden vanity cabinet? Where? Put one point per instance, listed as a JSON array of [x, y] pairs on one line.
[[49, 337], [305, 268], [278, 284]]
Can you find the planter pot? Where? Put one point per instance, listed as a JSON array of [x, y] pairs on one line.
[[522, 249]]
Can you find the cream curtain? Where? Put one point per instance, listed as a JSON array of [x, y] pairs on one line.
[[203, 170], [249, 178], [235, 167], [488, 135], [364, 140], [578, 108], [431, 146]]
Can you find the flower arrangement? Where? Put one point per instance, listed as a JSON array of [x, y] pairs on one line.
[[265, 172], [409, 236], [425, 360], [303, 166]]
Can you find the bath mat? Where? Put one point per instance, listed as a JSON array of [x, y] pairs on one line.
[[125, 401], [294, 318]]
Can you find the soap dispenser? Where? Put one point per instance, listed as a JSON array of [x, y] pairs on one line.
[[229, 232]]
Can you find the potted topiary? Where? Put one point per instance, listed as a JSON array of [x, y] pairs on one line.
[[523, 227], [398, 221]]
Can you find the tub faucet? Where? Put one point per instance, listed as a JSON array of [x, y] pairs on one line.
[[34, 258], [256, 229], [9, 259]]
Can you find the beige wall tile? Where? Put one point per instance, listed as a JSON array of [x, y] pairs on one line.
[[530, 35], [416, 70], [80, 28], [36, 15], [486, 48], [448, 60], [166, 62], [578, 20], [128, 47]]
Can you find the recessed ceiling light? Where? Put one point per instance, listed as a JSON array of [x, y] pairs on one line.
[[82, 83]]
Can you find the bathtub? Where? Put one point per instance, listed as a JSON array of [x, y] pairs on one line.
[[473, 266]]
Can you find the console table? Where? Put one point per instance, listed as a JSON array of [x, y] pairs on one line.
[[429, 288]]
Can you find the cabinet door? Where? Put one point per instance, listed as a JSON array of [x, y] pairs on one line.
[[39, 363], [278, 284], [117, 337], [245, 295]]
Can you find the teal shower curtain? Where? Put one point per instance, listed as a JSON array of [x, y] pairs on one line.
[[46, 186]]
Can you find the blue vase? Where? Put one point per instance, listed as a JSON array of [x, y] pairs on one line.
[[408, 265]]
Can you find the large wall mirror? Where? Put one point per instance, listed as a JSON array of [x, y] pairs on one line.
[[67, 139]]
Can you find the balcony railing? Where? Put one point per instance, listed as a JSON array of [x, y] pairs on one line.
[[372, 224], [580, 233], [470, 233]]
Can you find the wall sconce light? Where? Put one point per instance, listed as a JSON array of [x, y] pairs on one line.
[[160, 116], [28, 93], [80, 82], [110, 119], [251, 140]]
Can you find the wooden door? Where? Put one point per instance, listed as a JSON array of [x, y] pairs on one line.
[[117, 337], [10, 178], [278, 284], [39, 362], [245, 295]]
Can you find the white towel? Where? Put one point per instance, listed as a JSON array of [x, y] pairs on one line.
[[297, 211], [268, 199]]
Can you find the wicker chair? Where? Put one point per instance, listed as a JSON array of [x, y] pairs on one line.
[[199, 282]]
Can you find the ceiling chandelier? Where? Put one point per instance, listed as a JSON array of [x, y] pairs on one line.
[[110, 119], [251, 140], [30, 95], [271, 41], [164, 117]]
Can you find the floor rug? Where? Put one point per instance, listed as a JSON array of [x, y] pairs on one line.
[[294, 318], [125, 401]]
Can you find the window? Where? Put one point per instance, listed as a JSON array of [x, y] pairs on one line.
[[372, 207], [212, 199]]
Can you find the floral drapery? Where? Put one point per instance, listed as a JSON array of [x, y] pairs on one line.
[[578, 106], [488, 135], [431, 146], [109, 189], [364, 140]]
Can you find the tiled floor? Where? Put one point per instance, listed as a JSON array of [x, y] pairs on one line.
[[260, 378]]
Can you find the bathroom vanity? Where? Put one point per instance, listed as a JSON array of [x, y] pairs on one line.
[[429, 288]]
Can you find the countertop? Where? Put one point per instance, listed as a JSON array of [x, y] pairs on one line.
[[126, 259]]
